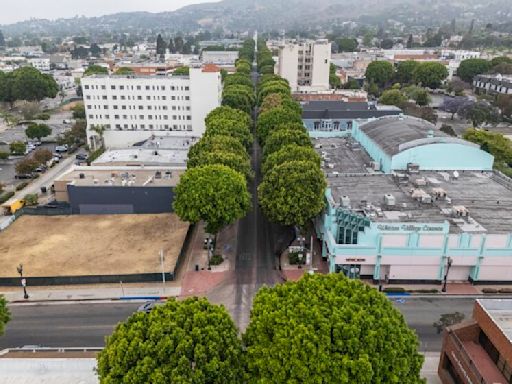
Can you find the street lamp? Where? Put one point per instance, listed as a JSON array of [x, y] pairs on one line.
[[19, 268], [300, 256], [448, 265]]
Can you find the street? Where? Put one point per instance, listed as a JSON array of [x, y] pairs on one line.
[[57, 325], [86, 324]]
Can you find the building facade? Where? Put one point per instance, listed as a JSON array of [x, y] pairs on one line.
[[305, 65], [493, 84], [434, 209], [219, 57], [479, 350], [124, 110], [40, 63]]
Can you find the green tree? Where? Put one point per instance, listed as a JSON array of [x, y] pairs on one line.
[[289, 153], [95, 70], [217, 143], [292, 193], [392, 97], [213, 193], [29, 84], [238, 97], [190, 341], [237, 162], [430, 74], [42, 155], [243, 68], [380, 73], [329, 329], [37, 131], [4, 314], [504, 103], [267, 70], [124, 71], [17, 148], [161, 46], [275, 100], [281, 137], [6, 88], [405, 71], [500, 60], [272, 87], [181, 71], [237, 79], [268, 78], [226, 112], [270, 119], [347, 44], [479, 113], [79, 111], [334, 81], [469, 68], [418, 94], [30, 109], [229, 127]]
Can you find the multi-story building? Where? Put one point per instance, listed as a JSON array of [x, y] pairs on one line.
[[127, 109], [493, 84], [305, 65], [219, 57], [479, 350], [40, 63]]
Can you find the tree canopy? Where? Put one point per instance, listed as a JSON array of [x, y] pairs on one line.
[[379, 72], [26, 83], [214, 193], [277, 139], [235, 161], [226, 112], [190, 341], [291, 152], [4, 314], [272, 118], [329, 329], [215, 143], [292, 193], [392, 97], [430, 74], [229, 127], [469, 68], [181, 71], [37, 131], [124, 71], [405, 71], [237, 79], [275, 100], [95, 70]]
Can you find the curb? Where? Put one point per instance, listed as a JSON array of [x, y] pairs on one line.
[[123, 298]]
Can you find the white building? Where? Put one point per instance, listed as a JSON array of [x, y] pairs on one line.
[[40, 63], [124, 110], [305, 65], [219, 57]]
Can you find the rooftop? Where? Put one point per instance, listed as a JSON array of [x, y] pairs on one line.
[[110, 176], [470, 201], [500, 311], [335, 109]]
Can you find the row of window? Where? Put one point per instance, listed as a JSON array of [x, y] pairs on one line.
[[139, 127], [142, 117], [141, 107], [139, 87], [139, 97]]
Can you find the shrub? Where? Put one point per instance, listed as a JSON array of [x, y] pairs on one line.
[[294, 258], [216, 260], [394, 289], [6, 196], [4, 155], [43, 116], [20, 186], [505, 290], [490, 290], [30, 199]]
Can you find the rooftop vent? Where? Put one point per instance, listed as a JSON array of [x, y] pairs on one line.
[[389, 199], [81, 176]]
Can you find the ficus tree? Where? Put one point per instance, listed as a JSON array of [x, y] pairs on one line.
[[216, 194], [278, 139], [270, 119], [215, 143], [329, 329], [190, 341], [292, 193], [291, 152]]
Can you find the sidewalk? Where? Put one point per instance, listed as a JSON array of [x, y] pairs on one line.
[[429, 369], [93, 292]]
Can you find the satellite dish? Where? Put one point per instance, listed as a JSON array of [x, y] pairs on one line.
[[455, 174]]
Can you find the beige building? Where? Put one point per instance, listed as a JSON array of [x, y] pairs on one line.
[[305, 65]]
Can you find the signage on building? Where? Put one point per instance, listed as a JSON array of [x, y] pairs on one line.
[[410, 228], [354, 260]]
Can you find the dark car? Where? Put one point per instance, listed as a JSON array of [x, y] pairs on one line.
[[81, 156], [148, 306]]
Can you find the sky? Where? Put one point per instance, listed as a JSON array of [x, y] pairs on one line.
[[12, 11]]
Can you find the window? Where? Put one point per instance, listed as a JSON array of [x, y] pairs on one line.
[[189, 117], [150, 107], [105, 106], [187, 88], [88, 97], [113, 87], [187, 97], [164, 98], [187, 108], [118, 126], [123, 97], [139, 97], [142, 126], [162, 87], [125, 117], [107, 116], [86, 86], [123, 106], [114, 97], [173, 97], [138, 87], [150, 117], [147, 87], [141, 117], [115, 106], [116, 117], [166, 117], [316, 125], [148, 97], [121, 87], [103, 87], [91, 116]]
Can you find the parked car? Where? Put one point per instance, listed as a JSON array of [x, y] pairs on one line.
[[55, 159], [41, 169], [148, 306], [81, 156], [61, 148], [66, 121], [23, 176], [58, 155]]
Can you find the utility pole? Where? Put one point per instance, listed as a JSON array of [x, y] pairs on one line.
[[163, 269], [19, 268]]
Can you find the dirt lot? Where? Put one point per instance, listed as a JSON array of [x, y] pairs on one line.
[[90, 245]]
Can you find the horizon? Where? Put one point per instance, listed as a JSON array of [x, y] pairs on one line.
[[16, 12]]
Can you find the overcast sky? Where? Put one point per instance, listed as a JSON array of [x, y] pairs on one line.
[[12, 11]]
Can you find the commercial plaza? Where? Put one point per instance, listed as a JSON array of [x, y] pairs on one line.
[[423, 204]]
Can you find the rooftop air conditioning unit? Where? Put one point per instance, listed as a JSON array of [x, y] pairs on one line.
[[389, 199], [345, 201]]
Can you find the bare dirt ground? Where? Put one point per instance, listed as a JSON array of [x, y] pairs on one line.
[[90, 244]]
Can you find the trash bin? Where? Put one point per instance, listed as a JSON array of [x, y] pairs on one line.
[[197, 267], [43, 189]]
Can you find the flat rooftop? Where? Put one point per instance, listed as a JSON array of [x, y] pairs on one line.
[[144, 156], [108, 176], [500, 310], [425, 197]]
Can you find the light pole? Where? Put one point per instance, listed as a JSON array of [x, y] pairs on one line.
[[448, 265], [19, 268]]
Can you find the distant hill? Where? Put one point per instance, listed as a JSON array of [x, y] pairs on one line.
[[265, 15]]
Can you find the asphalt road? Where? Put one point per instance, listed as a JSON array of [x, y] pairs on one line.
[[64, 325], [421, 313], [86, 324]]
